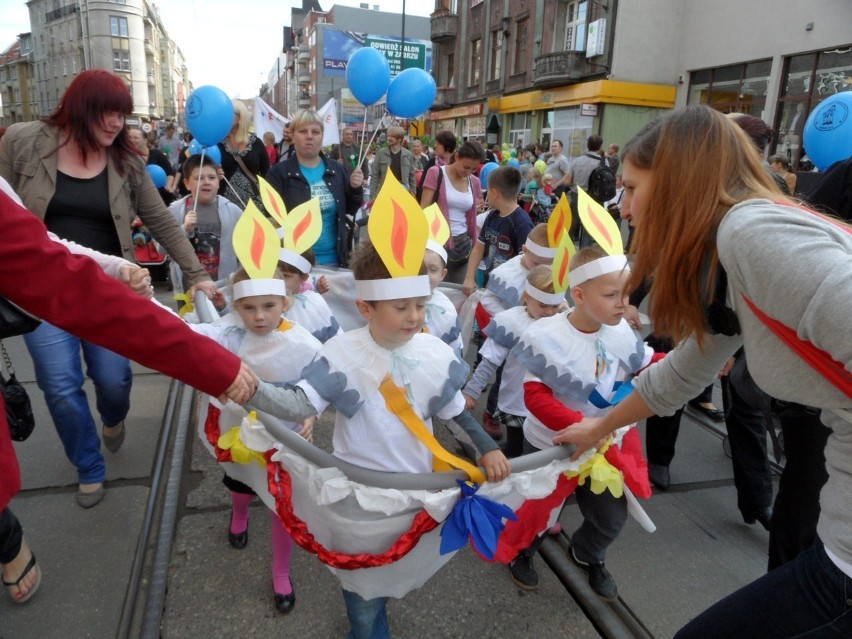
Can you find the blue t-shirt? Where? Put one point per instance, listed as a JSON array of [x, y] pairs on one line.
[[503, 236], [325, 249]]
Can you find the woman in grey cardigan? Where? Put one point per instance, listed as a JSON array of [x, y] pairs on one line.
[[735, 263]]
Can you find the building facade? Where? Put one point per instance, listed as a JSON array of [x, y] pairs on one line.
[[314, 64], [17, 83], [510, 70], [126, 37]]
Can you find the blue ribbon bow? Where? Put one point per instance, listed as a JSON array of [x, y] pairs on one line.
[[476, 518]]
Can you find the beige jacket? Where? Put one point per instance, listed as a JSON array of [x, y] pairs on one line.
[[28, 163]]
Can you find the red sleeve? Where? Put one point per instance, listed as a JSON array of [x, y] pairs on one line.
[[72, 292], [547, 409], [656, 357]]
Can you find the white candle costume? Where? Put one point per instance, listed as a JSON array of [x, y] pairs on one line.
[[310, 310], [503, 332], [277, 357], [586, 371], [442, 318], [506, 282], [387, 542]]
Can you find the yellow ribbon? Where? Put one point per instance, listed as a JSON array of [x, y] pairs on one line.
[[442, 459], [602, 474], [187, 303]]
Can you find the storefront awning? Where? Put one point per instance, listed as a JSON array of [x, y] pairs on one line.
[[599, 91]]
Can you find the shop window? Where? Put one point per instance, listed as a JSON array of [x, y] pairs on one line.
[[807, 80], [738, 88], [570, 31]]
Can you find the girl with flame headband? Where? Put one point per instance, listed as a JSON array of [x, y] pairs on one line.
[[277, 350]]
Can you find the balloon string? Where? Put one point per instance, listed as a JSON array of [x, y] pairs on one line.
[[375, 132], [234, 191], [363, 131], [198, 185]]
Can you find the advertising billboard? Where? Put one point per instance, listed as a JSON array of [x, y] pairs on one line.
[[339, 45]]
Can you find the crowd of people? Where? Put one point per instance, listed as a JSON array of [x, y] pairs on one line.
[[559, 346]]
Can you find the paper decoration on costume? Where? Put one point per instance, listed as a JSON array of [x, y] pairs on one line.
[[398, 229], [439, 230], [559, 220], [272, 201], [299, 229], [561, 263], [603, 229], [599, 223], [256, 243], [303, 226]]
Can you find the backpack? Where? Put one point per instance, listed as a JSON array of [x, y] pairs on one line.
[[601, 182]]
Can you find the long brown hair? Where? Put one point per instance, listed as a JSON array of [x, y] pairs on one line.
[[701, 165]]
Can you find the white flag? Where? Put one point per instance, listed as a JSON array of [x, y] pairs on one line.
[[328, 113], [267, 119]]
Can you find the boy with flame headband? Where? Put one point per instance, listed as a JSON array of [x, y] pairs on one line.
[[388, 379]]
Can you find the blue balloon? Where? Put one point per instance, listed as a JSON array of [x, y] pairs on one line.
[[828, 131], [411, 93], [513, 162], [195, 147], [213, 153], [209, 114], [368, 75], [157, 174], [485, 171]]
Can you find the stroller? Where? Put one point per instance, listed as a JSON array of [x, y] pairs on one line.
[[542, 207], [148, 253]]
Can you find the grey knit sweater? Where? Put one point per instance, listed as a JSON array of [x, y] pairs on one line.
[[797, 268]]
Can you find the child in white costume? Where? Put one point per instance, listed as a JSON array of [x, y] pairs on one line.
[[307, 307], [277, 350], [442, 318], [363, 371], [503, 332], [576, 366]]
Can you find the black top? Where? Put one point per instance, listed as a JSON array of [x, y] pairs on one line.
[[79, 211]]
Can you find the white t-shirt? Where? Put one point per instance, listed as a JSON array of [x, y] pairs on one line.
[[458, 203]]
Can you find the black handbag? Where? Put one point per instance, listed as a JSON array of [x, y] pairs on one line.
[[19, 411], [14, 321]]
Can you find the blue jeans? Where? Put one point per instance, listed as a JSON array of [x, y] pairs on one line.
[[368, 618], [59, 373], [807, 597]]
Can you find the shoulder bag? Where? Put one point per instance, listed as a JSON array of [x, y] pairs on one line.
[[19, 411], [14, 320]]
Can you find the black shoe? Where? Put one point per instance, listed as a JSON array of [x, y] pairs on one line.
[[523, 571], [238, 540], [599, 578], [713, 413], [763, 514], [285, 603], [659, 476]]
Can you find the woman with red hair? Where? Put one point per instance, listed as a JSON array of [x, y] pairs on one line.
[[78, 172]]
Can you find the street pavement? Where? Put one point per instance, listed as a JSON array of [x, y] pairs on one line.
[[700, 552]]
